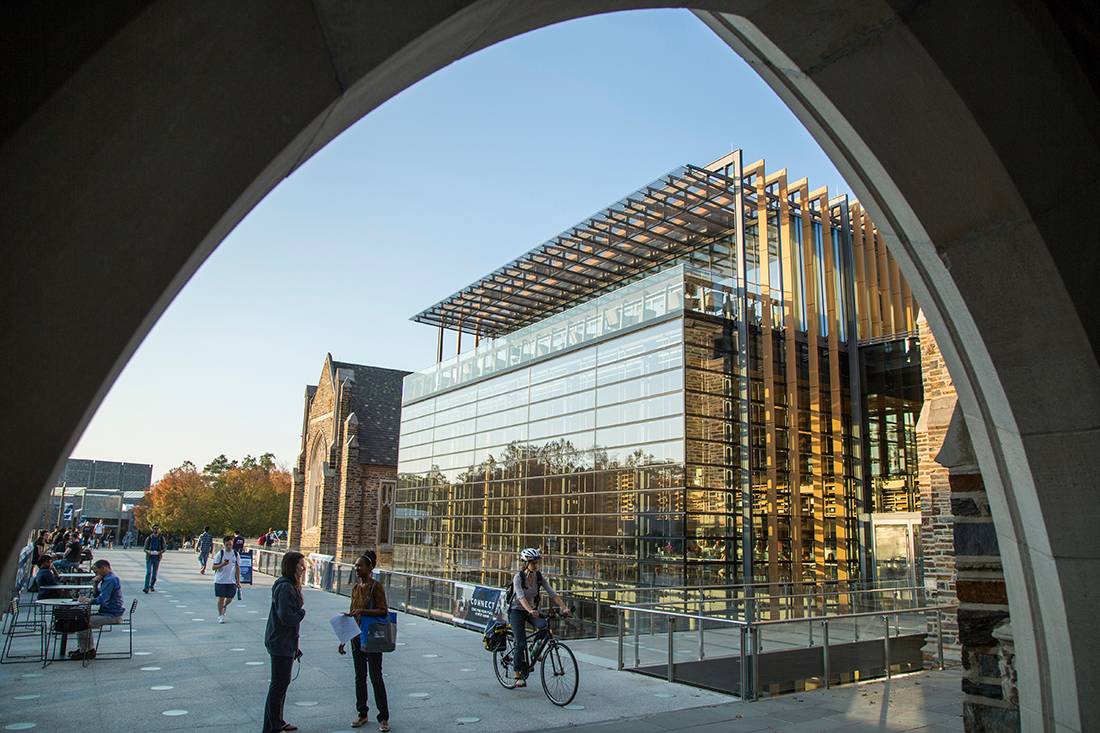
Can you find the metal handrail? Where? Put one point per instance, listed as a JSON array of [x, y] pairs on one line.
[[755, 599], [750, 637], [771, 622], [644, 588], [637, 588]]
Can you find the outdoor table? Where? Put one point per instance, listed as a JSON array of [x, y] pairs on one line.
[[67, 588], [48, 604]]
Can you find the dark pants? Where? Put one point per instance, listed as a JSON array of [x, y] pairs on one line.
[[369, 662], [276, 693], [518, 619], [152, 564]]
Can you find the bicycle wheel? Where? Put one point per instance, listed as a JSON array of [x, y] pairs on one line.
[[503, 664], [560, 675]]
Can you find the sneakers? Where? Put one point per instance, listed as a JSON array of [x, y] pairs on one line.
[[77, 655], [144, 590], [221, 619]]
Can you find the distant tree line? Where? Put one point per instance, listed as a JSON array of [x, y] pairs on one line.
[[251, 495]]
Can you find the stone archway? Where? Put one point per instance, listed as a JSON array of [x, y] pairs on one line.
[[148, 130]]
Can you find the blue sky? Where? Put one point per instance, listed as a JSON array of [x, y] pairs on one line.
[[442, 184]]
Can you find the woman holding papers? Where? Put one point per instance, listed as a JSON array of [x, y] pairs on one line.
[[368, 598]]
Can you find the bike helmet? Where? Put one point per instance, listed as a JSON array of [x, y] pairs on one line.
[[530, 554]]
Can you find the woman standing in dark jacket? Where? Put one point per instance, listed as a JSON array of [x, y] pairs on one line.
[[281, 638]]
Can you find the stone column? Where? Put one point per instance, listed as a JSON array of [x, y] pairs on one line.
[[297, 500], [937, 521], [990, 700], [348, 543]]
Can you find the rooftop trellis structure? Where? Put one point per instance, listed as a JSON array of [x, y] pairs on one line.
[[686, 208]]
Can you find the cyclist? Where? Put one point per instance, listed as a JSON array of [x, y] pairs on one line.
[[524, 609]]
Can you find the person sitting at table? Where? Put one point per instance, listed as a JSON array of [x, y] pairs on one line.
[[45, 577], [73, 551], [39, 547], [109, 600]]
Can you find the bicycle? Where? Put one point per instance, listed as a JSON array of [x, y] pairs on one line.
[[563, 679]]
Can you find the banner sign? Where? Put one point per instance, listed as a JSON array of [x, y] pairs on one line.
[[24, 571], [246, 566], [475, 605]]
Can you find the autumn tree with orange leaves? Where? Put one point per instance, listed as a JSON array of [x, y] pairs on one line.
[[251, 495]]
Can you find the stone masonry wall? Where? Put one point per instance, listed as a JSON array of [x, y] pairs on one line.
[[937, 521], [372, 478], [318, 426], [990, 700], [349, 507]]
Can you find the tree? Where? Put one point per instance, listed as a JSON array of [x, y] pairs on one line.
[[251, 495]]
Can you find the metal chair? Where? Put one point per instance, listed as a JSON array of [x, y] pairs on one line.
[[128, 623], [19, 629], [66, 620]]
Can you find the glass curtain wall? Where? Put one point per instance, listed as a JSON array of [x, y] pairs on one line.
[[893, 394], [581, 454], [609, 434]]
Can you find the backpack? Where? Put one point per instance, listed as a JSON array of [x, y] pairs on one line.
[[496, 636], [263, 540], [510, 593]]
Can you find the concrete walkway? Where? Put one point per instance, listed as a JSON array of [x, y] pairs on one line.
[[218, 674], [194, 674], [928, 702]]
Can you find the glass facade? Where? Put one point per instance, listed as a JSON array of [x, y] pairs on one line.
[[702, 424], [581, 454], [892, 396]]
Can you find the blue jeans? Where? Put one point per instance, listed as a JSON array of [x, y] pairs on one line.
[[518, 619], [152, 563]]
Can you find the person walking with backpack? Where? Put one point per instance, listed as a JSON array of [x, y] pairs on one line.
[[154, 550], [523, 606], [204, 547], [227, 576], [368, 598], [284, 620]]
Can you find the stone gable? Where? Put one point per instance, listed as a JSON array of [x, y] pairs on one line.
[[334, 430]]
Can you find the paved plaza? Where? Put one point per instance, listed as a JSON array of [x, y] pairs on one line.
[[190, 673]]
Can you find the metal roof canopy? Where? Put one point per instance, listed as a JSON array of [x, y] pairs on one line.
[[683, 210]]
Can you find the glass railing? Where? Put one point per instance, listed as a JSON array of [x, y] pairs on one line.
[[752, 641], [762, 658]]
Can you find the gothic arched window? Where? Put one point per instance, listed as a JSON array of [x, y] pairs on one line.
[[315, 485]]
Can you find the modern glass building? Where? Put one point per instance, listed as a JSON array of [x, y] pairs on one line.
[[668, 393]]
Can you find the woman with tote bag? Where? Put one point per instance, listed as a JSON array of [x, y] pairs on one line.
[[368, 598], [283, 623]]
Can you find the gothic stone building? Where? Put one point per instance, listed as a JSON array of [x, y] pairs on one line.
[[341, 502]]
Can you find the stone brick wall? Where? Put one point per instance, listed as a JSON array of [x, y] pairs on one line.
[[961, 556], [937, 520], [349, 506], [990, 700]]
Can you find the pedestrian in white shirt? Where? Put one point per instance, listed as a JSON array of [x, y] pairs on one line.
[[227, 576]]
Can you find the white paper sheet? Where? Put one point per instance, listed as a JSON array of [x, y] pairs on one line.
[[346, 628]]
